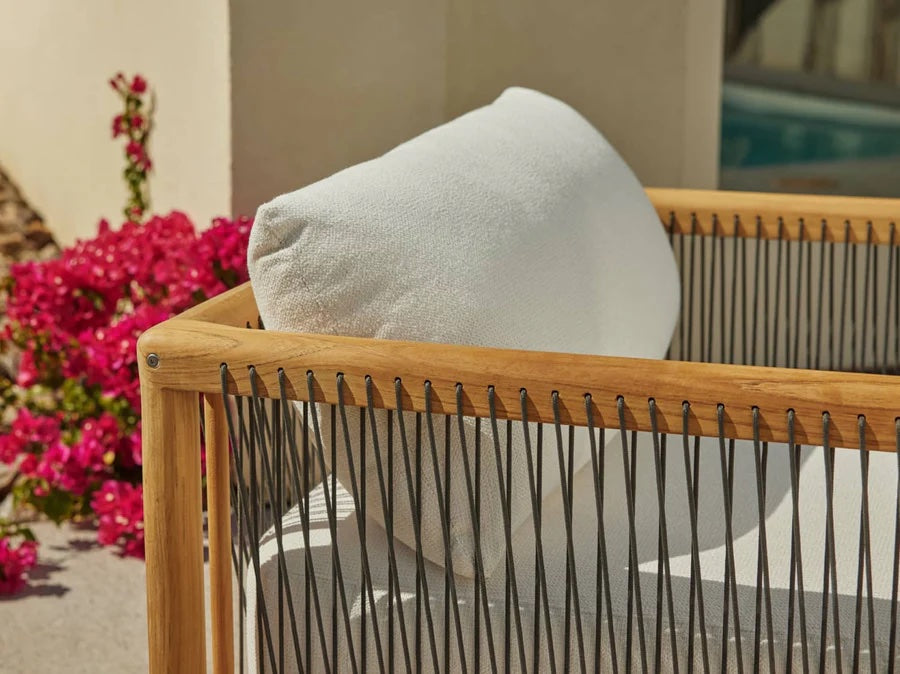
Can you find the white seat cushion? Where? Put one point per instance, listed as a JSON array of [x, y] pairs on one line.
[[516, 225], [711, 533], [812, 518]]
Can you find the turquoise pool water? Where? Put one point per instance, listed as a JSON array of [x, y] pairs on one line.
[[767, 128]]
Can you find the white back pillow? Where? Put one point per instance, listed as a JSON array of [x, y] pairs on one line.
[[516, 225]]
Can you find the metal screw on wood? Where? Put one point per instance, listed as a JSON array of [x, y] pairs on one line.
[[153, 360]]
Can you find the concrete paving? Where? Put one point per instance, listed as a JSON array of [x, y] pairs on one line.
[[84, 612]]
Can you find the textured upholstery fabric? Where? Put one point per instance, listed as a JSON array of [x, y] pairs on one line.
[[517, 226]]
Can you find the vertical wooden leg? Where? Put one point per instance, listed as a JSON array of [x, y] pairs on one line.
[[219, 508], [173, 529]]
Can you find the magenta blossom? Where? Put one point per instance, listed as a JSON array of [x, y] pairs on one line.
[[15, 563], [138, 85], [29, 434], [78, 467], [77, 320], [120, 511]]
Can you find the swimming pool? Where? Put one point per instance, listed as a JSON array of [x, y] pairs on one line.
[[789, 142]]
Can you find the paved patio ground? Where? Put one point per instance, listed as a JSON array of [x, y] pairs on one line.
[[84, 612]]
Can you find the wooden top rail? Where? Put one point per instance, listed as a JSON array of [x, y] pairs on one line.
[[190, 354], [192, 346], [235, 307], [779, 215]]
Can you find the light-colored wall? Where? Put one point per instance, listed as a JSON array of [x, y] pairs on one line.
[[258, 98], [319, 85], [704, 37], [647, 73], [780, 35], [56, 106], [845, 36], [855, 20]]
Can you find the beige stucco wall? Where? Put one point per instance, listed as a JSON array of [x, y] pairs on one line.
[[646, 73], [319, 85], [56, 106], [257, 98]]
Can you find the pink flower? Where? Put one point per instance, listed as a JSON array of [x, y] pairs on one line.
[[77, 320], [110, 354], [28, 373], [134, 150], [119, 125], [117, 81], [138, 85], [15, 563], [51, 302], [120, 512], [29, 434], [80, 466], [65, 313], [131, 449], [28, 464], [224, 248]]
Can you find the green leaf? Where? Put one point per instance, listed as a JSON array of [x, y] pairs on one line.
[[57, 505]]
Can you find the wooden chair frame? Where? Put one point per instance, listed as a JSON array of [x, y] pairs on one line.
[[180, 360]]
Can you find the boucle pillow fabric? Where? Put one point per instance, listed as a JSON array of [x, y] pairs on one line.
[[516, 226]]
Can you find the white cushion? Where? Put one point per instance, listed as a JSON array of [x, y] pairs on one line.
[[812, 517], [711, 533], [516, 225]]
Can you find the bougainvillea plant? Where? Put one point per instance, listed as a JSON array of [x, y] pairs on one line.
[[73, 415], [134, 125], [18, 554]]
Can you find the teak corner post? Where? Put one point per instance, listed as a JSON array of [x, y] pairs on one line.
[[180, 360], [173, 498], [173, 532]]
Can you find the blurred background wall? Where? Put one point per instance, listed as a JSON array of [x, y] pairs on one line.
[[855, 40], [646, 73], [256, 98], [56, 108], [318, 84]]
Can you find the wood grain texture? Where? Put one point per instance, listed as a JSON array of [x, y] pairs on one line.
[[191, 353], [235, 307], [793, 216], [218, 499], [173, 529]]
